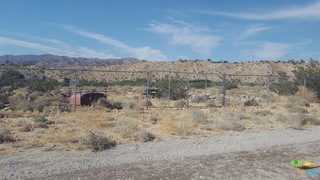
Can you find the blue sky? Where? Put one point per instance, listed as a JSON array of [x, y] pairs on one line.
[[165, 30]]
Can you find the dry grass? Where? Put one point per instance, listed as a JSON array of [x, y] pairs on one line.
[[126, 127], [175, 124], [69, 130]]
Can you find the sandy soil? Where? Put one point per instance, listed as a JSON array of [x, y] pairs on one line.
[[260, 155]]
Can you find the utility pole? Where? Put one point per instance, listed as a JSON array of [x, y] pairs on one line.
[[75, 90]]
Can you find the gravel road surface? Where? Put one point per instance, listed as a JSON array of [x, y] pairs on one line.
[[260, 155]]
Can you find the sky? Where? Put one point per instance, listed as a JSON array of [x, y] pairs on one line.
[[163, 30]]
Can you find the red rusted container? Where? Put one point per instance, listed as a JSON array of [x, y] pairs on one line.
[[78, 100]]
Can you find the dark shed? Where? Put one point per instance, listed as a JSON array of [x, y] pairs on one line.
[[86, 99]]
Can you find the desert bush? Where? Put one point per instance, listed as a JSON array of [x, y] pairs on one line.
[[298, 120], [180, 104], [308, 95], [4, 98], [177, 88], [25, 127], [97, 142], [39, 125], [262, 113], [310, 120], [34, 95], [281, 118], [297, 109], [198, 84], [311, 72], [41, 104], [23, 105], [129, 104], [107, 104], [251, 103], [6, 136], [126, 127], [230, 125], [283, 86], [42, 85], [142, 136], [298, 100], [231, 85], [197, 116], [148, 103], [153, 119], [200, 99], [211, 104], [12, 78], [135, 82], [40, 118], [174, 125], [288, 105]]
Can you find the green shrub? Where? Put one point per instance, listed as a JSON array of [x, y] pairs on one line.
[[11, 78], [177, 88], [251, 103], [311, 72], [180, 104], [42, 85], [97, 142], [6, 136], [231, 86], [283, 86]]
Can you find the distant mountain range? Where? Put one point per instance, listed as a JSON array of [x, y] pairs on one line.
[[48, 60]]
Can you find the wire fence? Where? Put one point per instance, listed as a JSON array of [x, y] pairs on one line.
[[168, 89]]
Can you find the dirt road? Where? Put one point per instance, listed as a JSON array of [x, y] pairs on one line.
[[271, 163], [261, 155]]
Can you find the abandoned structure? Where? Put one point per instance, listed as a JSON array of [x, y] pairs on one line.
[[86, 99]]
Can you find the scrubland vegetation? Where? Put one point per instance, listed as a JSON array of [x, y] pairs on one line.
[[40, 116]]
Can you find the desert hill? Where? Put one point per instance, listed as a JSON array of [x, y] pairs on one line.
[[48, 60], [131, 71], [130, 67]]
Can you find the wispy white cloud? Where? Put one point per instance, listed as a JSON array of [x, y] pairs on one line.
[[62, 50], [308, 12], [186, 34], [272, 51], [251, 31], [87, 52], [31, 45], [146, 52]]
